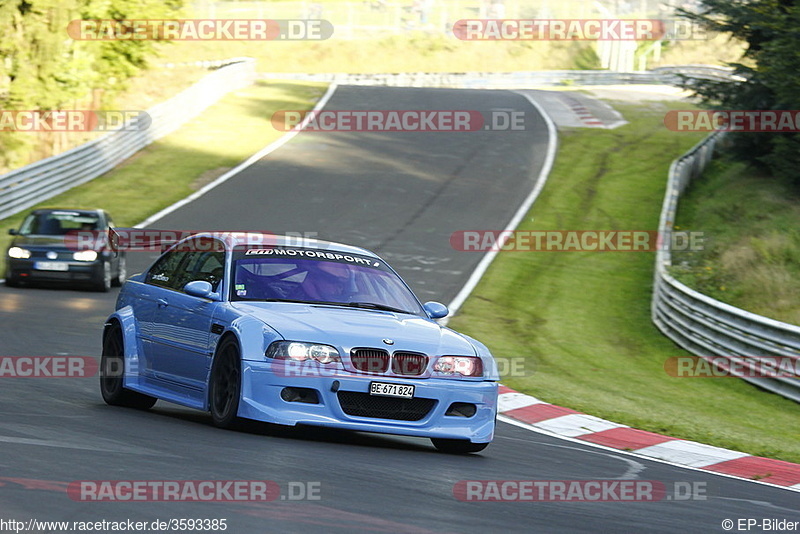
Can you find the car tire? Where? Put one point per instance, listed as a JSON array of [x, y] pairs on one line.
[[122, 272], [225, 385], [457, 446], [112, 374], [12, 281], [103, 282]]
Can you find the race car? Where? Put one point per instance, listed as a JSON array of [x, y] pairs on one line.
[[65, 245], [296, 332]]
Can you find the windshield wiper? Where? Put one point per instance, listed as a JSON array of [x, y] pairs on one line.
[[364, 305], [374, 306], [295, 300]]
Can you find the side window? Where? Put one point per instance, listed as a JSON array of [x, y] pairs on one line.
[[167, 271], [208, 266], [198, 259], [30, 225]]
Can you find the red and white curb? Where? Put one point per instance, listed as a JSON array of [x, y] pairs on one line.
[[583, 113], [587, 119], [569, 423]]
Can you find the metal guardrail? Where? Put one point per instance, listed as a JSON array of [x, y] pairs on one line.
[[706, 72], [514, 80], [706, 327], [477, 80], [26, 186]]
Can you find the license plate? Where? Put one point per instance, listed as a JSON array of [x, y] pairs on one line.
[[51, 266], [384, 389]]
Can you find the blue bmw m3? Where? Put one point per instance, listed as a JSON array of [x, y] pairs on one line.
[[292, 331]]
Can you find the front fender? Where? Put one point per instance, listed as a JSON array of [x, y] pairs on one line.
[[253, 336], [127, 321]]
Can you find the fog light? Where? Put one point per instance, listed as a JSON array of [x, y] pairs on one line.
[[304, 395], [462, 409]]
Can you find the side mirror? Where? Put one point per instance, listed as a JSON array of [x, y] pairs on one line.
[[435, 310], [13, 231], [200, 289]]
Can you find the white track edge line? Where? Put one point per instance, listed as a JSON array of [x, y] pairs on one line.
[[483, 265], [532, 428]]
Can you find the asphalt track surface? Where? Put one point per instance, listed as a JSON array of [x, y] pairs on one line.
[[402, 195]]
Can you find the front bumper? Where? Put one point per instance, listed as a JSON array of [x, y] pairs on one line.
[[28, 270], [263, 382]]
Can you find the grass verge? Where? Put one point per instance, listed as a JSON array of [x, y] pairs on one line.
[[581, 320], [172, 168], [751, 257]]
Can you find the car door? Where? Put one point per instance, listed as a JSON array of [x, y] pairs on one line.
[[118, 256], [161, 281], [181, 355]]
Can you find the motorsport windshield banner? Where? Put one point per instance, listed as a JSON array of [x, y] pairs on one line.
[[295, 253]]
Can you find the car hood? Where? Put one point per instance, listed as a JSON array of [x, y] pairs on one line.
[[352, 327], [36, 241]]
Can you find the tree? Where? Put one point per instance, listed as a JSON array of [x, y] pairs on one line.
[[118, 60], [41, 68], [771, 69]]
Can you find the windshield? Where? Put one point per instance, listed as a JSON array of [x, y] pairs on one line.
[[58, 223], [306, 275]]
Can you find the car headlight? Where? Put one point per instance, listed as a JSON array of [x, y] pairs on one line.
[[462, 365], [85, 255], [300, 352], [19, 253]]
